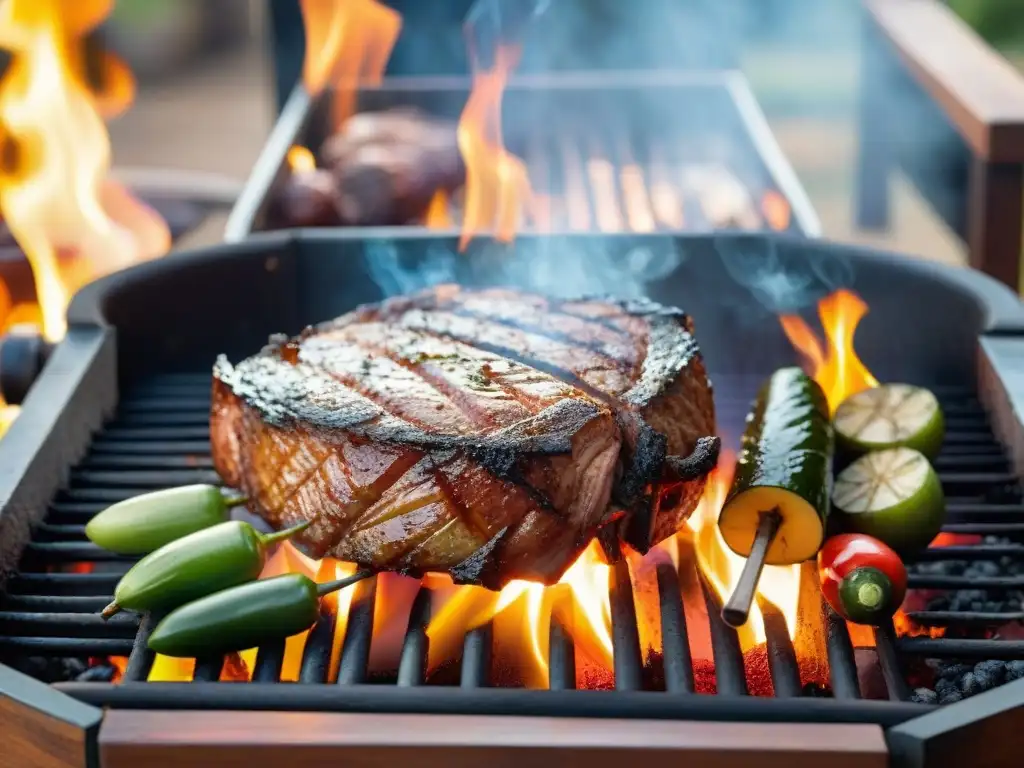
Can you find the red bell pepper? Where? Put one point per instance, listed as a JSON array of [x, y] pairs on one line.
[[861, 578]]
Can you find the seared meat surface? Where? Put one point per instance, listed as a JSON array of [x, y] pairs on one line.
[[380, 168], [487, 434]]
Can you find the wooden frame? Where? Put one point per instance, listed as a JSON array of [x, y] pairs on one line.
[[43, 728], [163, 739], [980, 95]]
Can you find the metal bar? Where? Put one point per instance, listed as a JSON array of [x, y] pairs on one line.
[[103, 446], [60, 624], [988, 529], [947, 648], [730, 673], [208, 669], [143, 419], [964, 618], [970, 552], [83, 511], [316, 654], [165, 404], [412, 665], [982, 508], [120, 461], [355, 650], [142, 478], [66, 646], [47, 532], [932, 581], [885, 647], [842, 663], [675, 643], [626, 656], [476, 657], [490, 701], [140, 660], [994, 462], [782, 663], [561, 657], [269, 662], [69, 552], [54, 603], [91, 584], [156, 434]]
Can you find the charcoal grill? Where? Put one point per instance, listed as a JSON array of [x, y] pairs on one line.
[[658, 124], [122, 408]]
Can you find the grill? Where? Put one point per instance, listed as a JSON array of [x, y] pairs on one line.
[[111, 419], [618, 152]]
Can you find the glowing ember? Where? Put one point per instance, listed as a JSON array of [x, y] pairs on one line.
[[71, 221], [834, 365], [300, 159], [348, 43], [776, 210], [498, 189]]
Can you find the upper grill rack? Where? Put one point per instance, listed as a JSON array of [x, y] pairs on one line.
[[159, 438]]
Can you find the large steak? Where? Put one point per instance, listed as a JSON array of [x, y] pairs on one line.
[[483, 433]]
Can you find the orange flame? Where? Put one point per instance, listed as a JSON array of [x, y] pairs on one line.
[[348, 43], [438, 215], [300, 159], [776, 210], [835, 365], [73, 223], [779, 584], [497, 185]]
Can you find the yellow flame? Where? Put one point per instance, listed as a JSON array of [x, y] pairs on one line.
[[58, 156]]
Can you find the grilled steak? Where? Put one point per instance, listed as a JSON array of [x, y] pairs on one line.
[[380, 168], [485, 433]]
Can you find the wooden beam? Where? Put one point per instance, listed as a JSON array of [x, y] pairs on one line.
[[977, 88], [43, 728], [162, 739]]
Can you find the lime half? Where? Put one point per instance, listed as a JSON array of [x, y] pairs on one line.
[[893, 495], [890, 416]]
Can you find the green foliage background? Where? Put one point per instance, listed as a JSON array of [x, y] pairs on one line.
[[998, 21]]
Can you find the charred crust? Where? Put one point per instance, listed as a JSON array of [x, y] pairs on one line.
[[476, 569], [644, 467], [701, 460]]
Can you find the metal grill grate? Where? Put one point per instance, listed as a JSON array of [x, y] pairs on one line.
[[159, 438]]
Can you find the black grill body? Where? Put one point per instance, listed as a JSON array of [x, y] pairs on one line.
[[122, 408]]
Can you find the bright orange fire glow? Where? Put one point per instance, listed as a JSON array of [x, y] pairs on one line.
[[498, 191], [72, 222], [834, 365], [437, 215], [776, 210], [348, 43], [300, 159], [779, 584]]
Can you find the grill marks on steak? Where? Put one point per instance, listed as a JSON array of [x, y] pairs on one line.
[[474, 432]]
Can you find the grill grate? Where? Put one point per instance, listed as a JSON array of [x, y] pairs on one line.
[[158, 438]]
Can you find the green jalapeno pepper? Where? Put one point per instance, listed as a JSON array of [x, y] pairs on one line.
[[143, 524], [244, 617], [196, 565]]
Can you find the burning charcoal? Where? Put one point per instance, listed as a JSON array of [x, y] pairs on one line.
[[970, 685], [924, 696], [308, 199], [101, 673], [989, 674], [952, 672], [49, 670], [1014, 671], [950, 696]]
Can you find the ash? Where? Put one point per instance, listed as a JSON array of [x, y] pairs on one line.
[[955, 680], [64, 669]]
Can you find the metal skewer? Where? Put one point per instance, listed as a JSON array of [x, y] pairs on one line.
[[737, 609]]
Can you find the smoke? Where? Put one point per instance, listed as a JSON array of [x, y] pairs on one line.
[[557, 266], [782, 280]]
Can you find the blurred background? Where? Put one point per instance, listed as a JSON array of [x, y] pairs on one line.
[[207, 92]]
